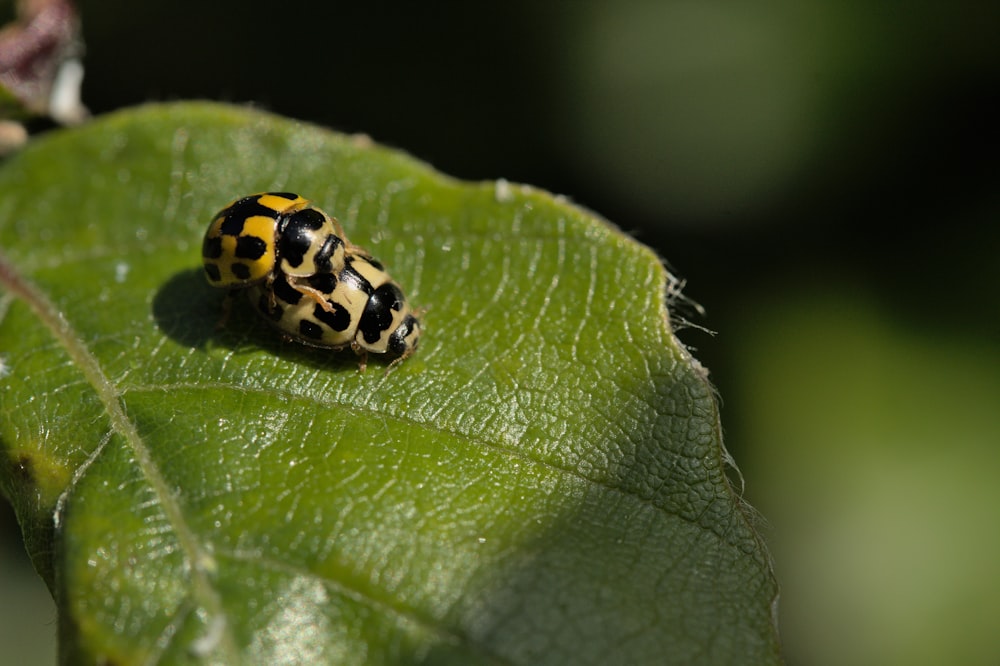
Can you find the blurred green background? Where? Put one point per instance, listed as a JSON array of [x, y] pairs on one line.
[[823, 175]]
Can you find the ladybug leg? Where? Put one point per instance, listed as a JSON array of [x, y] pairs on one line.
[[363, 354], [272, 302], [396, 361], [348, 245], [226, 309], [311, 292]]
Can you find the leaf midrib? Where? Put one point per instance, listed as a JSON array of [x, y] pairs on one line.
[[199, 559]]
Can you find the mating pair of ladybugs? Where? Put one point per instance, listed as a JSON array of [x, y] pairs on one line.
[[306, 278]]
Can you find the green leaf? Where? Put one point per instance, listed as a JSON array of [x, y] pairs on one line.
[[542, 482]]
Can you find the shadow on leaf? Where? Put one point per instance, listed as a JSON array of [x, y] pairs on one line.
[[192, 313]]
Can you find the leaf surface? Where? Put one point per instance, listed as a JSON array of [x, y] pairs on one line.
[[542, 482]]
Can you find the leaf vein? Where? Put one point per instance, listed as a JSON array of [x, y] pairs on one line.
[[358, 595], [111, 398], [513, 453]]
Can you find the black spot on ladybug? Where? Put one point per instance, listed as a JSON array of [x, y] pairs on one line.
[[212, 248], [397, 341], [378, 312], [339, 319], [285, 291], [323, 282], [325, 252], [296, 235], [242, 271], [310, 329], [250, 247], [237, 215]]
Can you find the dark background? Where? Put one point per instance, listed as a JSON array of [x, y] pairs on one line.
[[823, 177], [740, 143]]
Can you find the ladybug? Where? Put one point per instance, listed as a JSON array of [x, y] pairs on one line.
[[254, 238], [304, 276], [363, 309]]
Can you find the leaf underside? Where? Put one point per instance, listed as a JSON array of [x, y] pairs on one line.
[[542, 482]]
